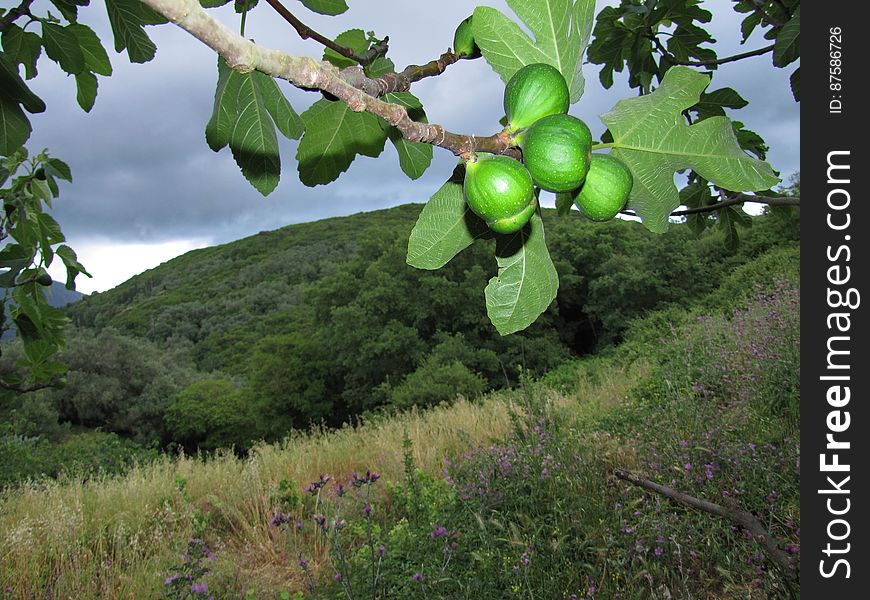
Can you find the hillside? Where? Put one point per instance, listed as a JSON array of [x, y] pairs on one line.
[[324, 321], [515, 494]]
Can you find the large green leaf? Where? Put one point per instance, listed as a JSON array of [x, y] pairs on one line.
[[445, 227], [326, 7], [795, 81], [527, 281], [414, 157], [561, 30], [334, 135], [787, 47], [96, 59], [288, 122], [13, 86], [253, 141], [127, 18], [219, 129], [652, 138], [22, 48], [86, 90], [14, 125], [62, 46]]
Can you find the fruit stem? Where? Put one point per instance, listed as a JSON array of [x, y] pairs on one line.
[[602, 146]]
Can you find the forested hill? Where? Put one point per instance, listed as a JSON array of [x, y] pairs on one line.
[[323, 321]]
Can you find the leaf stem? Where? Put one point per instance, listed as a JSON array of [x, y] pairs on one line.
[[305, 32], [13, 14], [242, 25], [602, 146]]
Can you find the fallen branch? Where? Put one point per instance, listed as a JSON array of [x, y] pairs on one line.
[[743, 518]]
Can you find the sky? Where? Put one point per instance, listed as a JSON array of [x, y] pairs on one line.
[[147, 188]]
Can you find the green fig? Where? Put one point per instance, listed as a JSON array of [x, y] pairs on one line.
[[557, 151], [464, 45], [500, 191], [535, 91], [606, 189]]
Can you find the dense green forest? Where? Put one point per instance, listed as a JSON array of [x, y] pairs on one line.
[[324, 322]]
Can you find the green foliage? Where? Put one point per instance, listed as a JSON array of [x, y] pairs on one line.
[[208, 415], [445, 227], [78, 455], [561, 32], [651, 137], [35, 239], [527, 281], [247, 109], [326, 7], [414, 157], [434, 382], [325, 321], [334, 135]]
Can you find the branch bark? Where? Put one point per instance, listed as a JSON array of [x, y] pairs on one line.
[[304, 72], [743, 518], [397, 82]]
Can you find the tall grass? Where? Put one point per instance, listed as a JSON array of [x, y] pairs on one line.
[[113, 536]]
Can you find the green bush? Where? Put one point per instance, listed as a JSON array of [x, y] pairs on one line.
[[210, 414], [79, 455]]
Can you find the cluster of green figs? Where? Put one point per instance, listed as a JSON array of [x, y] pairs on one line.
[[556, 150]]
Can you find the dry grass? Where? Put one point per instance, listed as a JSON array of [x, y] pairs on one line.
[[118, 537]]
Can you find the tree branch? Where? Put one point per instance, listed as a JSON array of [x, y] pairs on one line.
[[730, 201], [13, 14], [304, 72], [397, 82], [25, 389], [706, 63], [305, 32], [743, 518]]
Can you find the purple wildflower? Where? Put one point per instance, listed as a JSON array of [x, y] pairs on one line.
[[199, 588]]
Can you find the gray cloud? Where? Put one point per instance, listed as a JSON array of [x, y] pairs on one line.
[[143, 173]]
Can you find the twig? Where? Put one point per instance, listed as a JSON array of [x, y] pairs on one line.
[[305, 32], [304, 72], [13, 14], [706, 63], [743, 518], [732, 200], [24, 389], [397, 82]]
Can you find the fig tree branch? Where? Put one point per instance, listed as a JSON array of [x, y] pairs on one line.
[[741, 517], [24, 389], [706, 63], [14, 13], [305, 32], [307, 73], [731, 200], [397, 82]]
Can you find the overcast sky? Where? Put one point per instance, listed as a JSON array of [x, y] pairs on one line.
[[147, 187]]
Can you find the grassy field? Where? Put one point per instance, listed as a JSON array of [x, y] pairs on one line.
[[509, 495]]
